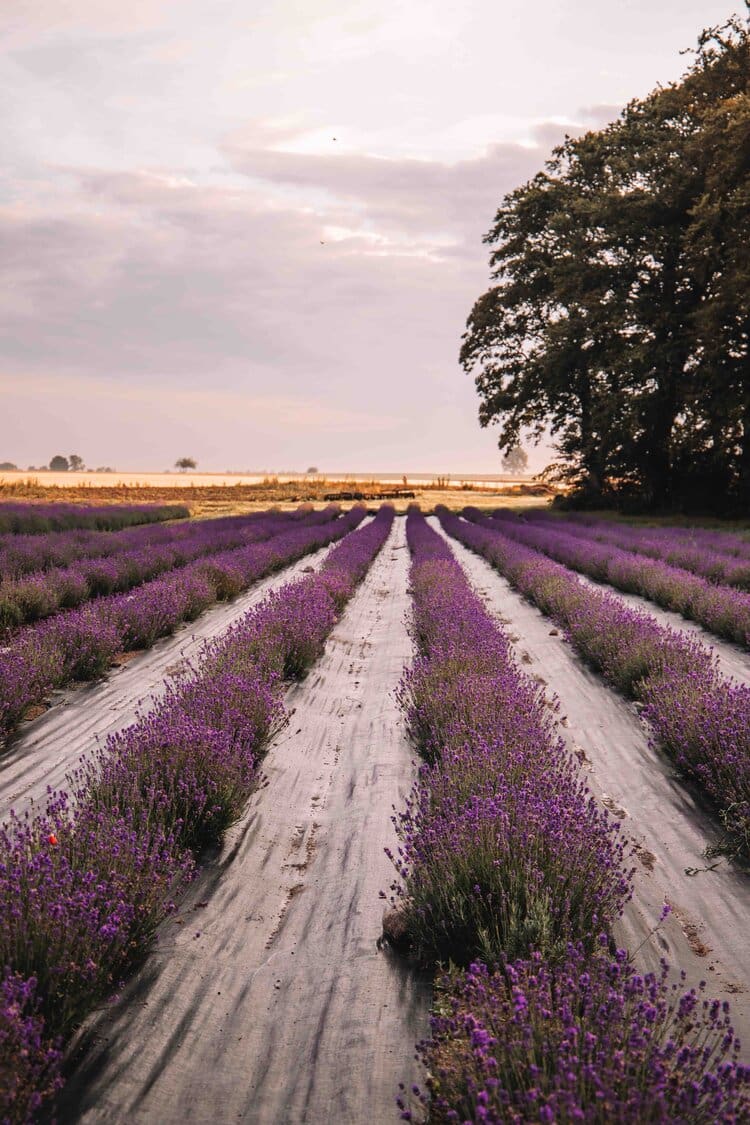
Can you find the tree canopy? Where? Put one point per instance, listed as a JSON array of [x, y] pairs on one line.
[[619, 317], [516, 460]]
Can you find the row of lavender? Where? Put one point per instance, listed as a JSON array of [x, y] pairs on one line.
[[713, 555], [84, 884], [512, 874], [734, 542], [723, 610], [22, 554], [700, 719], [33, 519], [43, 593], [80, 644]]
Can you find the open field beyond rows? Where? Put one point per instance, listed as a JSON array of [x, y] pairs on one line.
[[326, 755], [216, 494]]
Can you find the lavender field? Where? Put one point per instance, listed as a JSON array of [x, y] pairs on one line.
[[316, 816]]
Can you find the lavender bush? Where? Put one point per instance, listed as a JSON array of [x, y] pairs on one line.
[[688, 542], [29, 1063], [80, 644], [722, 610], [589, 1040], [36, 518], [506, 866], [502, 849], [700, 719], [85, 882], [22, 554], [43, 592]]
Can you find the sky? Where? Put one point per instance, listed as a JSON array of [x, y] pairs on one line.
[[251, 232]]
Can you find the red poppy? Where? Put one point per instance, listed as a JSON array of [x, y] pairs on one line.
[[52, 839]]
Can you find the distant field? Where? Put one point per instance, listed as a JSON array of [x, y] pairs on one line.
[[224, 494], [204, 480]]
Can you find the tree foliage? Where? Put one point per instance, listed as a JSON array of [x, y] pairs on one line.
[[619, 317], [184, 463]]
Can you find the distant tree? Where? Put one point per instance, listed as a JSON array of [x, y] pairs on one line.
[[59, 464], [313, 469], [516, 460], [104, 469], [76, 463], [184, 463], [7, 466]]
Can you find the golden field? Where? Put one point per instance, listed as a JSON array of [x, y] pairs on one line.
[[225, 494]]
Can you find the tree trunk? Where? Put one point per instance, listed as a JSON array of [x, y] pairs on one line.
[[660, 455]]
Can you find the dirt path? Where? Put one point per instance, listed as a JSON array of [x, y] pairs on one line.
[[267, 999], [707, 931], [48, 747], [734, 662]]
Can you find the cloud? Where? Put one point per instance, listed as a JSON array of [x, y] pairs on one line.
[[598, 116], [178, 301], [150, 271], [457, 198], [23, 21]]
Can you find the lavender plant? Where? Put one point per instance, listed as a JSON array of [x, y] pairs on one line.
[[80, 644], [508, 869], [85, 882], [29, 1062], [35, 518], [701, 720], [712, 552], [589, 1040], [722, 610], [43, 592], [502, 849], [22, 554]]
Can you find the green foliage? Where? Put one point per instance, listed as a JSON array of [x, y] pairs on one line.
[[620, 315]]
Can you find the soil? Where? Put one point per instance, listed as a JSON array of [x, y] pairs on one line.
[[706, 933], [268, 998]]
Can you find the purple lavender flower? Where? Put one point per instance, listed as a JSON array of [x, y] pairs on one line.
[[699, 719], [80, 644], [85, 881], [587, 1040], [507, 867]]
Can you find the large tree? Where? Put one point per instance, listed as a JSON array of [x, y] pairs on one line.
[[618, 319], [717, 242]]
